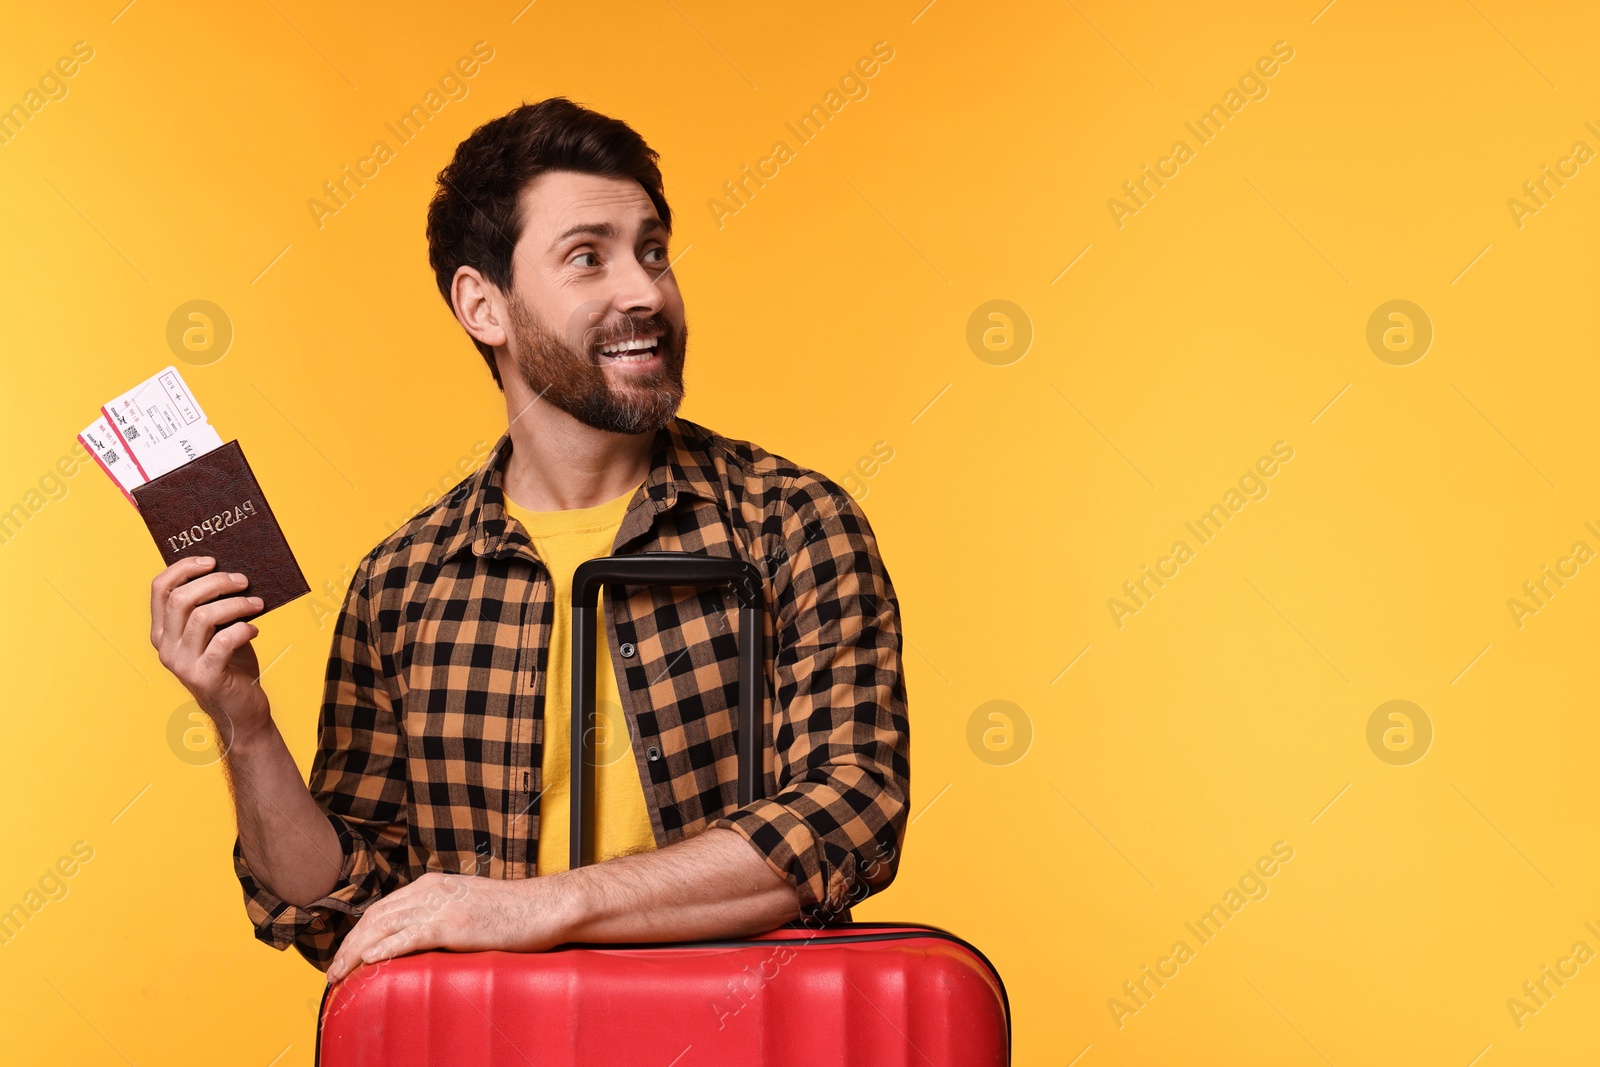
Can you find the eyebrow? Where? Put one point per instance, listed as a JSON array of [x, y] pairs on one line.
[[605, 230]]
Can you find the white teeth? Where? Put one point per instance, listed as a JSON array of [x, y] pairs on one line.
[[629, 346]]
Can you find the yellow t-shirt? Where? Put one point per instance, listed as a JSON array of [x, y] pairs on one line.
[[563, 540]]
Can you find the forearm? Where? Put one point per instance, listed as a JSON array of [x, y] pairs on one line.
[[287, 840], [712, 885]]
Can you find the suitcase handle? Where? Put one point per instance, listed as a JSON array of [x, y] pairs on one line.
[[660, 568]]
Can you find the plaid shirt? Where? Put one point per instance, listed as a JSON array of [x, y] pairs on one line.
[[430, 736]]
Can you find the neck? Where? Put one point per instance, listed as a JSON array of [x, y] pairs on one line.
[[558, 463]]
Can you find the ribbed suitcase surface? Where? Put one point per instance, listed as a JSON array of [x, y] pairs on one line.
[[860, 994]]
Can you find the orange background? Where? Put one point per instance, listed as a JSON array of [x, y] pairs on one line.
[[1141, 769]]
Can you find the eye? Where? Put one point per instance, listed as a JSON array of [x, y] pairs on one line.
[[658, 249], [580, 255]]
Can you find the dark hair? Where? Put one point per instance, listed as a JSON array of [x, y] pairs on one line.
[[473, 219]]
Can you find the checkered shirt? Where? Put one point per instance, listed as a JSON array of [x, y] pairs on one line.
[[431, 729]]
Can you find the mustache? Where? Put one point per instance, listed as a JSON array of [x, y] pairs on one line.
[[630, 327]]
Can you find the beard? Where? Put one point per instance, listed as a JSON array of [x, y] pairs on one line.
[[576, 381]]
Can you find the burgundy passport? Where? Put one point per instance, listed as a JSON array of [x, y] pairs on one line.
[[213, 506]]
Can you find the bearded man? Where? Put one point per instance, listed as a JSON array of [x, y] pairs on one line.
[[437, 809]]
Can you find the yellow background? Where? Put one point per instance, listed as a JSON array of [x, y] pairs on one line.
[[827, 314]]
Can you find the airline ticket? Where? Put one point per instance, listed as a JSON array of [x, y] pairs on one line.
[[155, 427]]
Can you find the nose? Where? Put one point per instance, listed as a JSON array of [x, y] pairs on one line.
[[639, 289]]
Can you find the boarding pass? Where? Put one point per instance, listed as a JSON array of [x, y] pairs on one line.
[[155, 427]]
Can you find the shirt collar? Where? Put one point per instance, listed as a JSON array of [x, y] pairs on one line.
[[681, 462]]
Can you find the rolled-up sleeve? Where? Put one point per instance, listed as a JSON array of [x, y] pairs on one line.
[[358, 778], [840, 732]]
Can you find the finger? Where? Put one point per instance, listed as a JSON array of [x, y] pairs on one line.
[[377, 921], [412, 939], [204, 620], [341, 959], [163, 584], [375, 924], [348, 956], [185, 598], [377, 911], [338, 968], [371, 929], [227, 641]]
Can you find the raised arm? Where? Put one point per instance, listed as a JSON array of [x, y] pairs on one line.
[[194, 627], [352, 818]]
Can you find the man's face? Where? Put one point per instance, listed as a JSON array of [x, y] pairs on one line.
[[597, 325]]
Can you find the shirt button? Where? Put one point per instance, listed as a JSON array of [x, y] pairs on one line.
[[652, 753], [627, 650]]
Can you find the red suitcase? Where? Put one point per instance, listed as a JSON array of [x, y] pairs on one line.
[[879, 994]]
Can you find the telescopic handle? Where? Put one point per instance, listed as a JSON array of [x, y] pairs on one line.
[[660, 568]]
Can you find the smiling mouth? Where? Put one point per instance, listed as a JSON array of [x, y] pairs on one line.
[[634, 350]]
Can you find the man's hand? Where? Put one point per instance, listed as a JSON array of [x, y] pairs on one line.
[[709, 885], [202, 644], [455, 911]]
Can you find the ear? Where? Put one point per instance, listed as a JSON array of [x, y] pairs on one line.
[[480, 307]]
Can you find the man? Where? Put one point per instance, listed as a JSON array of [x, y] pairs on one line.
[[436, 815]]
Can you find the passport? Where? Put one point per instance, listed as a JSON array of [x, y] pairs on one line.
[[198, 496], [212, 505]]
